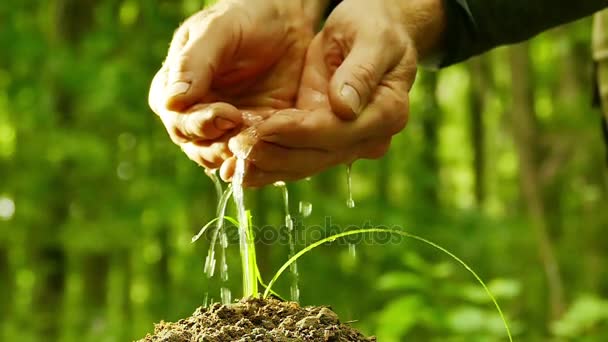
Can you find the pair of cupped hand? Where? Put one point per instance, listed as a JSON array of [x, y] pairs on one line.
[[250, 79]]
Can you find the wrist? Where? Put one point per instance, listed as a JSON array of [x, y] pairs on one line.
[[425, 22]]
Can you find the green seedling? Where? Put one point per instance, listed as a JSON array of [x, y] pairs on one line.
[[251, 273]]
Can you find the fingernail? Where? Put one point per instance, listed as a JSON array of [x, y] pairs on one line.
[[224, 124], [178, 88], [351, 98]]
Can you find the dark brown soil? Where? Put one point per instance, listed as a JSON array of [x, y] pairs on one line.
[[257, 320]]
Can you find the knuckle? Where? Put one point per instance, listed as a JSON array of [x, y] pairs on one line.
[[389, 35], [176, 135], [378, 150], [180, 65], [365, 74], [395, 115]]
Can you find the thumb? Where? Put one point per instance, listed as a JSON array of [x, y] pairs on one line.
[[191, 68], [356, 79]]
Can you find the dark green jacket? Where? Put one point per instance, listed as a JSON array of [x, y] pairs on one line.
[[475, 26]]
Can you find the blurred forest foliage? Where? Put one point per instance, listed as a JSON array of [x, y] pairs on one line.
[[502, 163]]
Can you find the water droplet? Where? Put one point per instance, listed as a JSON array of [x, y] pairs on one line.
[[224, 270], [349, 186], [305, 208], [224, 240], [206, 300], [352, 250], [210, 263], [288, 223], [226, 295], [294, 292]]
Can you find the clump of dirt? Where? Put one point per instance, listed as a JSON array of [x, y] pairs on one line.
[[261, 320]]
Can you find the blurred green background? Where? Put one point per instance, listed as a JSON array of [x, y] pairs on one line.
[[502, 163]]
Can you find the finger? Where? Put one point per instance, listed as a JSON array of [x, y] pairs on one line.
[[386, 115], [274, 158], [191, 68], [312, 93], [208, 121], [319, 129], [388, 111], [157, 88], [373, 149], [255, 177], [209, 155], [201, 123], [357, 77], [194, 155]]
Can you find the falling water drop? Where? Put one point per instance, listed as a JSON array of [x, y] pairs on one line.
[[223, 266], [352, 250], [305, 208], [206, 300], [349, 186], [225, 295], [210, 263], [223, 239], [221, 212]]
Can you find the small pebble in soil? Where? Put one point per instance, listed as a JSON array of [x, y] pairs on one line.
[[254, 319]]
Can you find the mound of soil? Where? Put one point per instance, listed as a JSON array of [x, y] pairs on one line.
[[255, 319]]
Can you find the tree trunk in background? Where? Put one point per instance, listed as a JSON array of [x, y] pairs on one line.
[[525, 132], [48, 251], [480, 85], [123, 261], [48, 299], [431, 117], [95, 279], [600, 57], [6, 289], [382, 183]]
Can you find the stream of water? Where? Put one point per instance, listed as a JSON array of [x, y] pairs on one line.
[[349, 187], [294, 288], [350, 202], [239, 201], [219, 231], [236, 191]]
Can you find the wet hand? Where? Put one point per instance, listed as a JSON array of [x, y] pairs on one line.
[[238, 56], [352, 99]]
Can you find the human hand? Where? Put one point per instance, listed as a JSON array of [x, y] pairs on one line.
[[360, 67], [238, 56]]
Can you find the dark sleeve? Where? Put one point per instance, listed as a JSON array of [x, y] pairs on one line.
[[332, 5], [475, 26]]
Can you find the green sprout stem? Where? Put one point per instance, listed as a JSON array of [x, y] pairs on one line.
[[391, 231]]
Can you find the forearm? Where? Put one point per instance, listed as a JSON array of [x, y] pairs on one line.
[[446, 32]]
